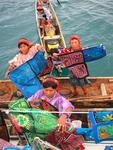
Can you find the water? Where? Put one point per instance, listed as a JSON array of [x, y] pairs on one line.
[[92, 20]]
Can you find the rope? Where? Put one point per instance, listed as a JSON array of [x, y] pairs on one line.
[[53, 112]]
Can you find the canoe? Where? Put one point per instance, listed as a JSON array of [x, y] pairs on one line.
[[99, 93], [44, 40]]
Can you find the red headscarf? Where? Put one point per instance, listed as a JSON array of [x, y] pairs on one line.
[[24, 41], [52, 79], [74, 37]]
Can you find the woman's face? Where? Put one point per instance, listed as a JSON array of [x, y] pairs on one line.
[[75, 44], [49, 92], [40, 11], [24, 49]]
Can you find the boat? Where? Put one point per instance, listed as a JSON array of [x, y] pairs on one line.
[[99, 93], [58, 37], [14, 138]]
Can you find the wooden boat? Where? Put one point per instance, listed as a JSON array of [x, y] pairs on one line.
[[99, 93], [58, 34], [14, 139]]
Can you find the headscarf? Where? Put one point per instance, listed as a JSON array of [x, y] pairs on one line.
[[24, 41], [52, 79], [74, 37]]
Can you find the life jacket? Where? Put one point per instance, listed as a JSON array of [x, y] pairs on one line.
[[50, 33], [52, 45]]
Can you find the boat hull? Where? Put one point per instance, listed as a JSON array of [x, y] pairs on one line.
[[99, 93]]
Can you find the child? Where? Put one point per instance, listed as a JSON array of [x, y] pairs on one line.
[[26, 52], [50, 94], [78, 84], [44, 3], [48, 28], [43, 14]]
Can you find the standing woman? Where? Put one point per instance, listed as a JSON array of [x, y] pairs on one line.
[[26, 52]]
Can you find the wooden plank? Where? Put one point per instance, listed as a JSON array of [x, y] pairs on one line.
[[103, 89], [55, 37]]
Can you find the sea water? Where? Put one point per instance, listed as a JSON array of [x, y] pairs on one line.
[[92, 20]]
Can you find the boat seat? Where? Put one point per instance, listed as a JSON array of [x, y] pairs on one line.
[[55, 37], [103, 89]]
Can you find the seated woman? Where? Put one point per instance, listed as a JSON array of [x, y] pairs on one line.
[[50, 94]]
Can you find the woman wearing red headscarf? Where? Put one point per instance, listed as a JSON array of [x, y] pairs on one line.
[[74, 41], [26, 52], [80, 85], [50, 94]]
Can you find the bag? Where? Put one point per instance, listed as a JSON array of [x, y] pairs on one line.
[[73, 142], [48, 68], [66, 141], [42, 104], [33, 122]]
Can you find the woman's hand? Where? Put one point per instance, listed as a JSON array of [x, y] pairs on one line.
[[61, 123], [6, 74], [40, 47], [55, 55], [10, 68]]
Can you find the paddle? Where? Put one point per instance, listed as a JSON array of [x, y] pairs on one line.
[[58, 2]]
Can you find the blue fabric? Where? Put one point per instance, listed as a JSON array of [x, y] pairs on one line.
[[104, 116], [38, 62], [25, 76], [94, 53], [108, 148], [11, 148], [27, 147], [87, 132]]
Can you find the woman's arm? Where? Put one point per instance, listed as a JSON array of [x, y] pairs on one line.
[[10, 68], [61, 123]]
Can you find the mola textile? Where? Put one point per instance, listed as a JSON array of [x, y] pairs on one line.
[[33, 122], [25, 76], [102, 125], [75, 62], [94, 53]]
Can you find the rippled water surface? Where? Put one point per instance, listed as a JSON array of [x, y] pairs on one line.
[[92, 20]]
